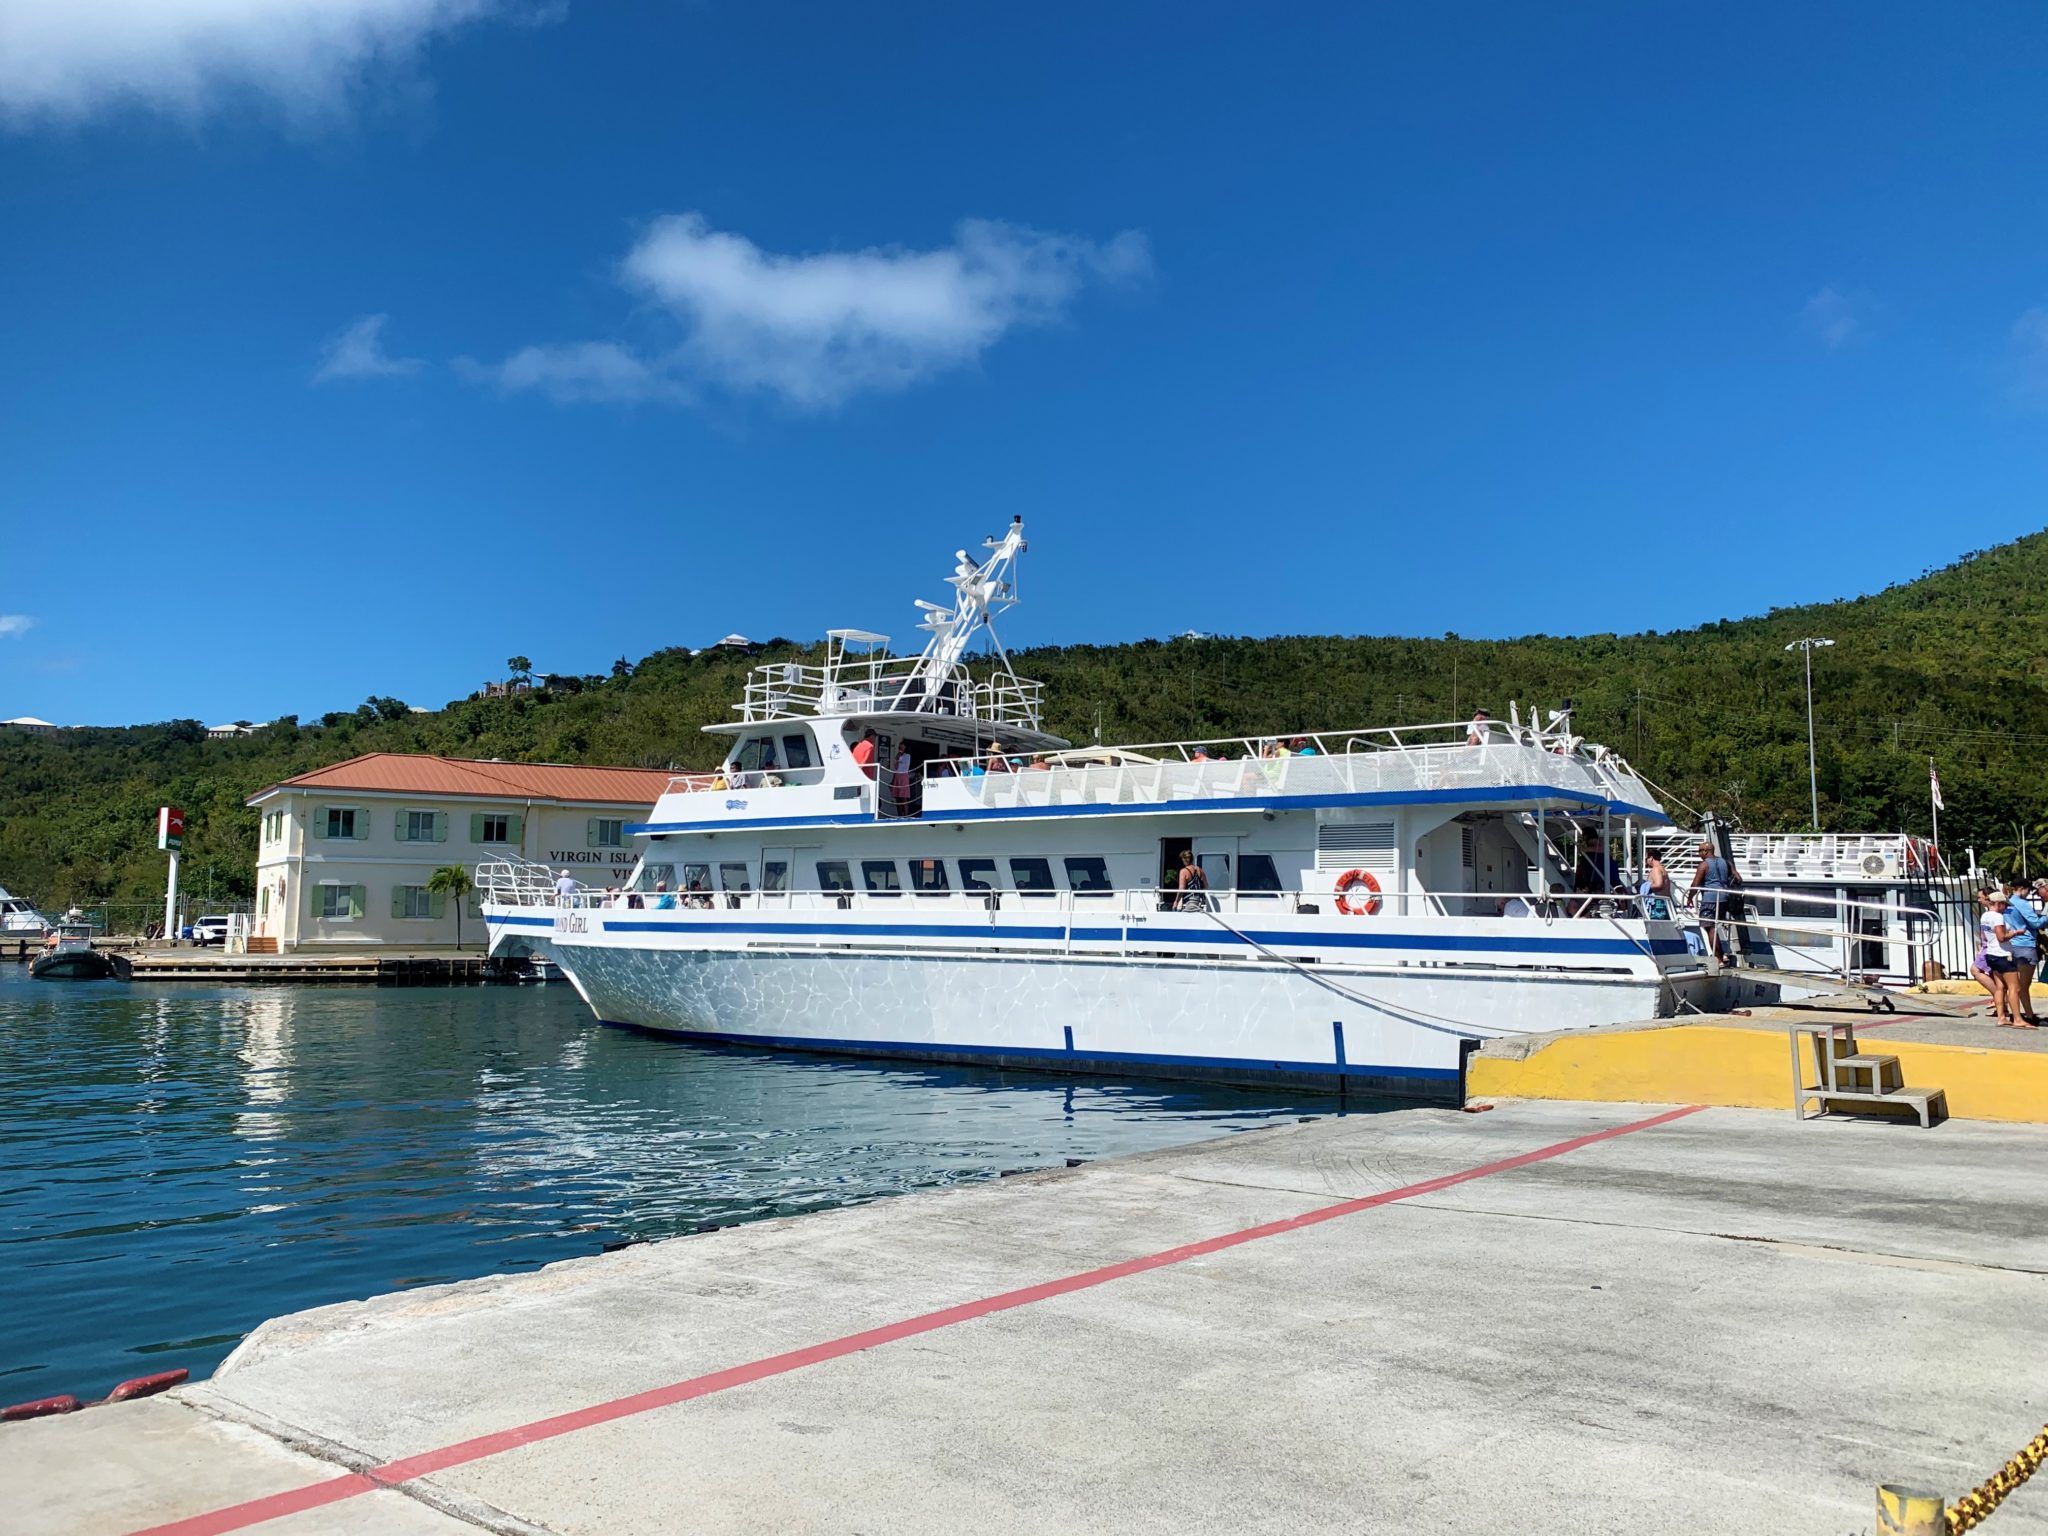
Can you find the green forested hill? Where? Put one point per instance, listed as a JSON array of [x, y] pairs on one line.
[[1950, 664]]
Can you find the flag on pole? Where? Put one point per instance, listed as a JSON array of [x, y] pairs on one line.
[[1934, 785]]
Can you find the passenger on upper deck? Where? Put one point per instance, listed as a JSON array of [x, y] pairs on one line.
[[997, 763], [864, 753], [1480, 730]]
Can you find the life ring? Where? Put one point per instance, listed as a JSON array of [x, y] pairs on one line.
[[1349, 881]]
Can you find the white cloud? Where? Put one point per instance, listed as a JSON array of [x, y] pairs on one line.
[[357, 352], [14, 625], [577, 371], [65, 59], [2029, 387], [1833, 319], [816, 329]]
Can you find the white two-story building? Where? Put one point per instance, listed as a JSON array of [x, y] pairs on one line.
[[347, 852]]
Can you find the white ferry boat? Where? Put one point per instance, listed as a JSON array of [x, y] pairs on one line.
[[1370, 904]]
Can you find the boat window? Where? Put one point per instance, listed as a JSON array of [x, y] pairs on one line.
[[775, 875], [978, 875], [754, 753], [653, 874], [796, 751], [882, 877], [1255, 872], [1089, 875], [733, 877], [696, 877], [928, 877], [1032, 875], [835, 875]]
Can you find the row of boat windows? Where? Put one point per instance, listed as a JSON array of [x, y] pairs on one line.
[[1085, 874]]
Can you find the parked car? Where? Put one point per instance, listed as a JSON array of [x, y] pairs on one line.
[[210, 930]]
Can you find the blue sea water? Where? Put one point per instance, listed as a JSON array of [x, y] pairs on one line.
[[178, 1163]]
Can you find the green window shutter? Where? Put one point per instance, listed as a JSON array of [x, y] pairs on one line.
[[363, 815], [439, 903], [319, 821], [590, 833], [440, 826], [476, 827], [356, 893], [313, 901], [515, 829], [398, 901], [398, 829]]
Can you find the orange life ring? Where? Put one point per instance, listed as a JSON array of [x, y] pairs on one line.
[[1349, 881]]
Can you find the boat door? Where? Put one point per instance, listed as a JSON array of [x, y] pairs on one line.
[[1217, 858]]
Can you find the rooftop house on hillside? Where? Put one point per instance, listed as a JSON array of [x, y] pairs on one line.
[[346, 852], [229, 731], [30, 724]]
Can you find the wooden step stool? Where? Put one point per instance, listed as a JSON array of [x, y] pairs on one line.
[[1846, 1078]]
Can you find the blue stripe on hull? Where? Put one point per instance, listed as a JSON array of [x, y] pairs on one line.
[[1057, 1057]]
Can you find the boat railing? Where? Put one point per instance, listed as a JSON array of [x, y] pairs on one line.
[[865, 685], [1851, 857], [1117, 904], [515, 882], [1246, 768], [743, 778]]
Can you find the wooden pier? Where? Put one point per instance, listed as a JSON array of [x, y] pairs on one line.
[[138, 960]]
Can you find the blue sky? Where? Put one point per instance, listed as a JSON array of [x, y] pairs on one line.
[[1362, 318]]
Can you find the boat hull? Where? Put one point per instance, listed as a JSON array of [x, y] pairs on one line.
[[72, 965], [1354, 1030]]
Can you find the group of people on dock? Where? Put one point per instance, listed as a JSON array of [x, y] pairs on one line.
[[2009, 923]]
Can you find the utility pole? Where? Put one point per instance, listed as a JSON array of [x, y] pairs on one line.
[[1808, 646]]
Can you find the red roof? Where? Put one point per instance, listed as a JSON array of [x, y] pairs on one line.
[[411, 773]]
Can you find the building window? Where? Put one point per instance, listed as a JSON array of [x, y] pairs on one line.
[[419, 826], [338, 903], [881, 877], [1089, 876], [607, 832], [977, 874], [928, 877], [496, 827], [412, 901], [1033, 876], [341, 821]]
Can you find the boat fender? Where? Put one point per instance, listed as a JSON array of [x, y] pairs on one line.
[[1363, 906], [40, 1408], [147, 1386]]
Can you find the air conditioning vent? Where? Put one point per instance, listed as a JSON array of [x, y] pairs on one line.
[[1355, 845], [1873, 863]]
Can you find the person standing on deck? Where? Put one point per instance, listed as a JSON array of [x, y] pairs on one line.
[[900, 781], [565, 890], [1714, 883], [1656, 888], [1480, 729], [1191, 885], [864, 753]]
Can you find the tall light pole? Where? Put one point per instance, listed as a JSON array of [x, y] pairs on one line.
[[1808, 646]]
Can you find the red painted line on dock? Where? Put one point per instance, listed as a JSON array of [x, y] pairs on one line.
[[238, 1517]]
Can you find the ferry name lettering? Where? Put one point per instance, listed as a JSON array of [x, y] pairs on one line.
[[571, 922]]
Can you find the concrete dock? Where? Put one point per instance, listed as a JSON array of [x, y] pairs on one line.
[[1560, 1317]]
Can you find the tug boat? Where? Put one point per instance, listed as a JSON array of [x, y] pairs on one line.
[[69, 956], [896, 859]]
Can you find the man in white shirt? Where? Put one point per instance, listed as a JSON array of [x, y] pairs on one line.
[[565, 890], [1480, 730]]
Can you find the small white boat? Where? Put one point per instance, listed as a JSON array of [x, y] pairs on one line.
[[19, 917]]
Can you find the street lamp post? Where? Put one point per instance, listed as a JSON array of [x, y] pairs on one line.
[[1808, 646]]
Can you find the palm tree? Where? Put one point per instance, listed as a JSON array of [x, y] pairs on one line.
[[519, 667], [452, 880]]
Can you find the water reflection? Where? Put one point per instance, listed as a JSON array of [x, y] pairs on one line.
[[185, 1163]]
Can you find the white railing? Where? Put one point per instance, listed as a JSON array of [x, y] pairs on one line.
[[515, 882], [1853, 857], [1082, 907], [743, 778], [1386, 762], [871, 685]]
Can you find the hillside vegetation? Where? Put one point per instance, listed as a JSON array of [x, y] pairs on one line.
[[1949, 664]]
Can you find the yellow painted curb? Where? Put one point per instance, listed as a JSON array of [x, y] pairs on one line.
[[1751, 1069]]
